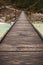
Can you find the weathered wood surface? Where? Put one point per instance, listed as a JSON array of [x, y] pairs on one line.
[[22, 45]]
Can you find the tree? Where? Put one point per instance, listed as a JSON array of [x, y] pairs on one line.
[[33, 5]]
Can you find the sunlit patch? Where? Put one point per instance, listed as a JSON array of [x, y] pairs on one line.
[[4, 27], [39, 28]]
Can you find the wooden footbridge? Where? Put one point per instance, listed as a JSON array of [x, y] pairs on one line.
[[22, 45]]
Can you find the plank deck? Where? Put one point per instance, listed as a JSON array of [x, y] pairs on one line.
[[22, 45]]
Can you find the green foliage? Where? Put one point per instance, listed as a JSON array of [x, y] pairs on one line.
[[39, 6], [22, 3], [4, 2], [25, 4]]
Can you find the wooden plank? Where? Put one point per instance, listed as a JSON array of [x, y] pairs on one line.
[[21, 58], [22, 45]]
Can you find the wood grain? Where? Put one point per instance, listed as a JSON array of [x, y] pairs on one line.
[[22, 45]]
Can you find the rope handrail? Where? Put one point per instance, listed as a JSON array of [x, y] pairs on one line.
[[40, 9], [34, 4]]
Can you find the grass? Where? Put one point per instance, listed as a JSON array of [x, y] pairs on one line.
[[4, 27], [39, 27]]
